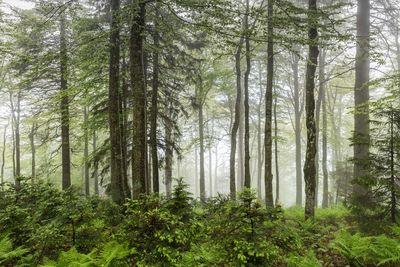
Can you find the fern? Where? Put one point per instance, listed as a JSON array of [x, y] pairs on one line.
[[371, 250], [7, 253]]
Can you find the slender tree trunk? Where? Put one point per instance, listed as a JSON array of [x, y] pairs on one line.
[[269, 200], [393, 199], [361, 99], [317, 122], [95, 172], [247, 176], [33, 152], [154, 107], [259, 144], [309, 165], [18, 142], [168, 152], [117, 186], [3, 153], [199, 104], [210, 134], [322, 88], [236, 122], [86, 151], [65, 144], [216, 188], [276, 149], [240, 154], [196, 167], [139, 137], [297, 111]]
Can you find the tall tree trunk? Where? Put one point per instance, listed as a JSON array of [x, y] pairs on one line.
[[139, 136], [3, 153], [240, 154], [361, 99], [276, 149], [117, 187], [247, 176], [216, 188], [210, 135], [269, 200], [236, 122], [393, 198], [309, 165], [196, 174], [123, 122], [322, 89], [86, 151], [154, 107], [199, 99], [321, 77], [95, 172], [33, 151], [168, 151], [259, 144], [64, 105], [297, 114]]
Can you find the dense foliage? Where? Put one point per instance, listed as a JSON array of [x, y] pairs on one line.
[[43, 226]]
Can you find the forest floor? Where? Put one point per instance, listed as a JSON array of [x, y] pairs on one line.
[[43, 226]]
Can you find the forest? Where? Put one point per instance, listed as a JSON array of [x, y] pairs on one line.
[[199, 133]]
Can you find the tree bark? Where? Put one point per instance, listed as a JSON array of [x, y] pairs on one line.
[[309, 165], [259, 144], [247, 176], [95, 172], [33, 151], [236, 122], [276, 149], [269, 200], [168, 152], [3, 153], [361, 99], [117, 187], [154, 107], [297, 114], [86, 151], [322, 89], [64, 105], [139, 137], [199, 99]]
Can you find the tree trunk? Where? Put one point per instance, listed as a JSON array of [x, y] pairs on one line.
[[154, 107], [393, 198], [117, 187], [168, 153], [259, 144], [297, 114], [65, 144], [276, 149], [86, 151], [33, 151], [236, 122], [123, 122], [201, 139], [322, 89], [269, 200], [247, 176], [95, 172], [139, 136], [210, 135], [3, 153], [361, 98], [309, 165], [216, 188]]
